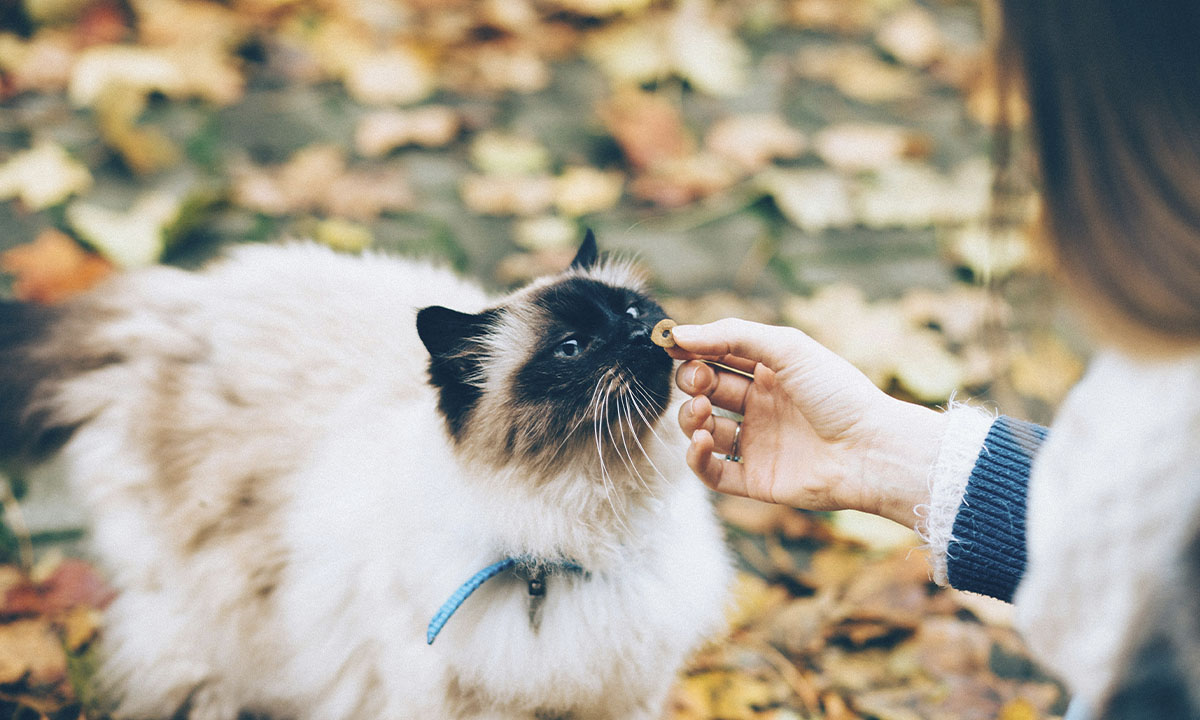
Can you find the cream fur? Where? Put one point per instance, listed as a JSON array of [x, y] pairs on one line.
[[282, 511]]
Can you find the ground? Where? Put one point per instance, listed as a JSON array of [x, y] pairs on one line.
[[822, 163]]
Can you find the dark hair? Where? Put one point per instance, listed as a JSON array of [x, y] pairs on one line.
[[1114, 94]]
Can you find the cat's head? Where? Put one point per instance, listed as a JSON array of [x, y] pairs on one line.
[[561, 367]]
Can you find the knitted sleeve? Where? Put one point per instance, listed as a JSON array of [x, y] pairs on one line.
[[986, 553]]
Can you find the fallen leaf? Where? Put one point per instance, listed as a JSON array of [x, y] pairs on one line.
[[686, 41], [43, 63], [990, 254], [1018, 709], [859, 74], [872, 531], [752, 599], [43, 176], [381, 131], [854, 146], [497, 153], [52, 268], [144, 149], [705, 52], [905, 194], [31, 652], [343, 235], [912, 36], [753, 141], [602, 8], [1045, 370], [131, 238], [677, 182], [521, 195], [398, 75], [366, 193], [190, 22], [841, 16], [68, 584], [80, 625], [545, 232], [177, 71], [878, 339], [582, 190], [813, 200], [648, 128]]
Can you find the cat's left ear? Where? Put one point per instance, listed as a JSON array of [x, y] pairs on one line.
[[588, 254]]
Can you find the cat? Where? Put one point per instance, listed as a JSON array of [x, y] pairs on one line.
[[299, 464]]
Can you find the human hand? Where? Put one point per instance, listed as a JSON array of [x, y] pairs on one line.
[[815, 434]]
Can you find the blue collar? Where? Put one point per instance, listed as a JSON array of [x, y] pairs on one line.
[[531, 569]]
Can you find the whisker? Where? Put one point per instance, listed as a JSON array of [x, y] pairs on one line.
[[633, 404]]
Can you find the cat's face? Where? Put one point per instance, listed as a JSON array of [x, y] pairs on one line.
[[563, 366]]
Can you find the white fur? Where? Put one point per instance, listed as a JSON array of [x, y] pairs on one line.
[[373, 520]]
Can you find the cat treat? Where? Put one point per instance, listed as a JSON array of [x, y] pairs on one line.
[[661, 334]]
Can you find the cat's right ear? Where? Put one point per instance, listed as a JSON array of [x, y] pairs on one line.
[[456, 359], [447, 332]]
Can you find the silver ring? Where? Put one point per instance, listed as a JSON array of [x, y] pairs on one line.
[[735, 450]]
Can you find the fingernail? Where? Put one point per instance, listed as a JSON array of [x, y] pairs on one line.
[[688, 330], [688, 375]]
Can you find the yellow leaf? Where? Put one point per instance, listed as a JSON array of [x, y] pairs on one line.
[[31, 651], [752, 598], [1018, 709], [43, 176], [80, 626], [343, 235], [1046, 370], [504, 154], [132, 238]]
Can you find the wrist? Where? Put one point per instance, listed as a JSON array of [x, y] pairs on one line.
[[898, 461]]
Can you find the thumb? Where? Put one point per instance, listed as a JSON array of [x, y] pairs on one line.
[[775, 347]]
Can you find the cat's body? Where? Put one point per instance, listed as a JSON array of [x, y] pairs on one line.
[[284, 498]]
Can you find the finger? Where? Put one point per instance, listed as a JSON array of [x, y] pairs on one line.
[[720, 475], [772, 346], [726, 390], [696, 414]]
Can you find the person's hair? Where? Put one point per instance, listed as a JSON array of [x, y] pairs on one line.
[[1114, 93]]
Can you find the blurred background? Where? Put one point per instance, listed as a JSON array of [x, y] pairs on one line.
[[819, 163]]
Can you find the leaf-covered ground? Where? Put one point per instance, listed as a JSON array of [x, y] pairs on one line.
[[822, 163]]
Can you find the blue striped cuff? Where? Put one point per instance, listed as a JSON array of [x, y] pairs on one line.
[[987, 554]]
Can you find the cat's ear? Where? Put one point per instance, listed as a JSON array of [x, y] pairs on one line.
[[588, 254], [456, 359], [449, 332]]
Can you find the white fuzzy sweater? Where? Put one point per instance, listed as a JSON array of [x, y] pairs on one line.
[[1112, 497]]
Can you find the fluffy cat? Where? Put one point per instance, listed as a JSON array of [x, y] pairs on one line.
[[289, 470]]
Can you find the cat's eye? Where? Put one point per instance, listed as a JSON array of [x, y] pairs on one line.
[[568, 349], [633, 311]]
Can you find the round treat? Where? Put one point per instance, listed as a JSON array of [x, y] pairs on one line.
[[661, 334]]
